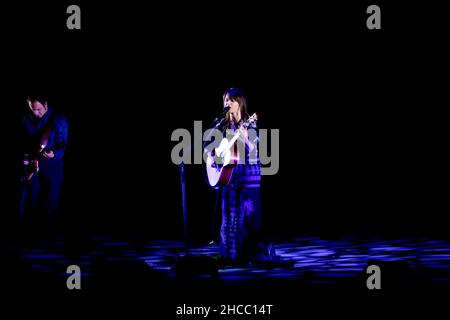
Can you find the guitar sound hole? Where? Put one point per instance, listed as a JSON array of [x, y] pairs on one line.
[[216, 165]]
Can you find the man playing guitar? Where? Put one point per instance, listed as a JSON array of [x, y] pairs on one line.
[[42, 141]]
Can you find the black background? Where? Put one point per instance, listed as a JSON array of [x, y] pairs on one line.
[[359, 111]]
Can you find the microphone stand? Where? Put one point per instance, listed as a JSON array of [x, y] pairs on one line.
[[214, 125], [184, 207], [189, 262]]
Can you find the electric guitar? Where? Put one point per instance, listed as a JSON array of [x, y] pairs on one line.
[[33, 164], [222, 160]]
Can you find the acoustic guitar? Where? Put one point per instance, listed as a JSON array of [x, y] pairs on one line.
[[222, 160]]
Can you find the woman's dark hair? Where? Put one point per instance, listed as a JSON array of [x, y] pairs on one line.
[[237, 95]]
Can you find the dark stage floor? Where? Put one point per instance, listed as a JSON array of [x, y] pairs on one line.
[[325, 275], [316, 263]]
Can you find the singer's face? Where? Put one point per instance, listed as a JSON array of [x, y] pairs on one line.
[[38, 109], [234, 105]]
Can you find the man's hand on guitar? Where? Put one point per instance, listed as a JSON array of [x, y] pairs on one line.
[[48, 154]]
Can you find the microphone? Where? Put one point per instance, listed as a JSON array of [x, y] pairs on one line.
[[216, 123], [220, 117], [224, 111]]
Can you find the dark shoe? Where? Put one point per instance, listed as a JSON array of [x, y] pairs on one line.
[[268, 258]]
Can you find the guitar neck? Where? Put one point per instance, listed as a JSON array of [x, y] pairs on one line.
[[235, 137], [238, 132]]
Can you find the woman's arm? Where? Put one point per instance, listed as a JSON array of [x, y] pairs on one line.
[[244, 137]]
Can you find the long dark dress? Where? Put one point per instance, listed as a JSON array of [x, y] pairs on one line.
[[241, 228]]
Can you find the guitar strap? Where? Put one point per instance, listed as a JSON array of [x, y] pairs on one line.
[[46, 134], [46, 131]]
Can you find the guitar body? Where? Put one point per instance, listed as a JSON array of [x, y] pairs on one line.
[[31, 169], [219, 167], [222, 160], [33, 166]]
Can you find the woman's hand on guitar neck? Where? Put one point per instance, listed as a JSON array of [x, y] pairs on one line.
[[243, 133], [243, 136]]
